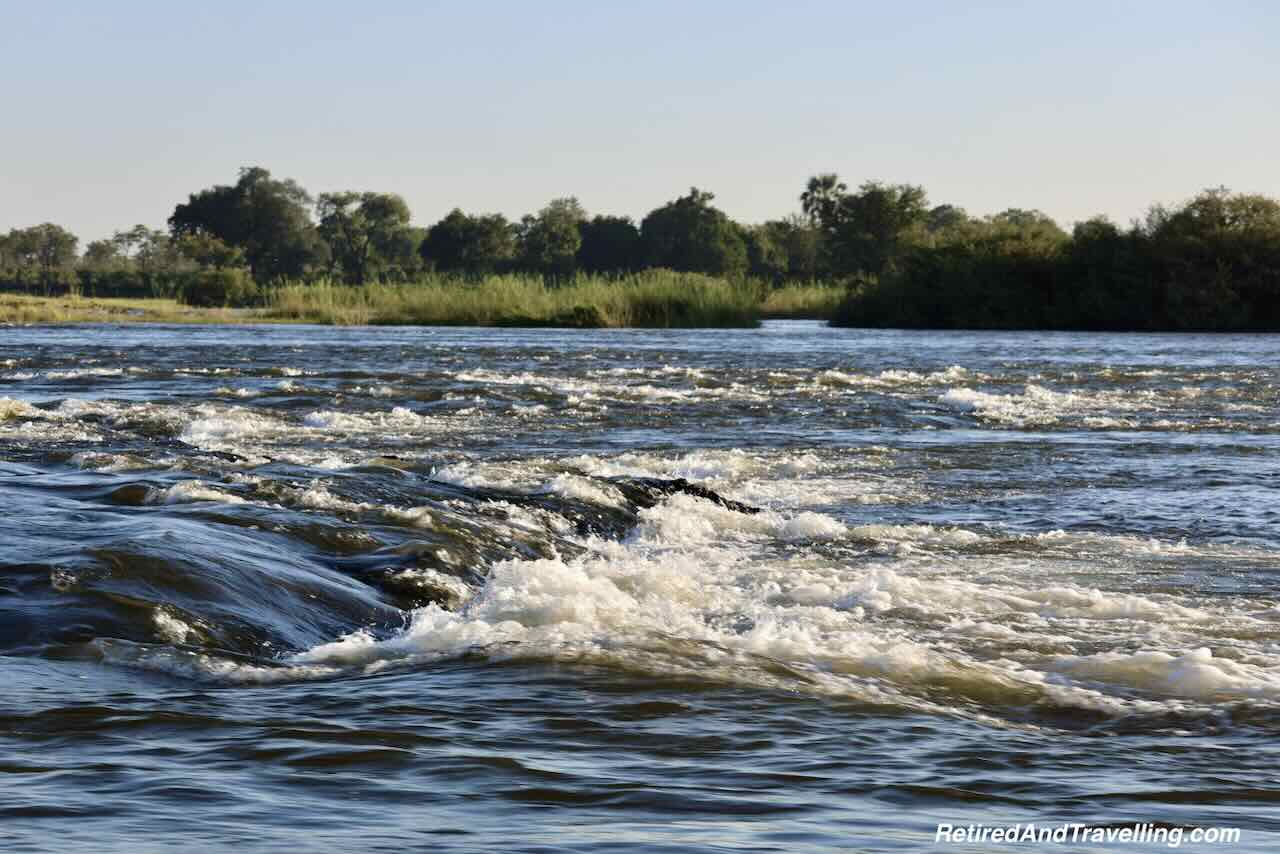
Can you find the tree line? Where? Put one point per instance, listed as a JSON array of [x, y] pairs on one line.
[[1210, 263]]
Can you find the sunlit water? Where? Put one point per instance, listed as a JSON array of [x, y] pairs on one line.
[[386, 589]]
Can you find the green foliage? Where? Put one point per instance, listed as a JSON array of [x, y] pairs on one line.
[[821, 197], [267, 219], [946, 219], [784, 250], [690, 235], [866, 234], [469, 245], [213, 288], [550, 241], [660, 298], [208, 251], [104, 255], [800, 301], [42, 254], [1212, 263], [610, 244], [367, 233], [766, 259]]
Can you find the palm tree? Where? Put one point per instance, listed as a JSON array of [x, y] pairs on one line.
[[821, 196]]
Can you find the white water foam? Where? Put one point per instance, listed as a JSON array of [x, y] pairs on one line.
[[695, 590]]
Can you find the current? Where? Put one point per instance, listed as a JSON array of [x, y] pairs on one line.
[[795, 588]]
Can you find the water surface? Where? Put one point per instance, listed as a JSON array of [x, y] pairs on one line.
[[368, 589]]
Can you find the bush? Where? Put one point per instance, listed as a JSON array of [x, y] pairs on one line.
[[214, 288]]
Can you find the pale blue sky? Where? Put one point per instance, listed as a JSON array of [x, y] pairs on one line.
[[114, 112]]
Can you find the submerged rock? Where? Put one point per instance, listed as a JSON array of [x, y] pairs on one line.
[[645, 492]]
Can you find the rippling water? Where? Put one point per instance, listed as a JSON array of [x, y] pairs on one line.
[[352, 589]]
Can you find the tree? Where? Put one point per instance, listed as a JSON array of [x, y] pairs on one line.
[[51, 246], [148, 249], [551, 240], [766, 254], [822, 196], [798, 245], [365, 232], [1216, 259], [866, 232], [690, 235], [209, 252], [473, 245], [610, 244], [8, 251], [266, 218], [103, 255], [39, 251], [945, 218]]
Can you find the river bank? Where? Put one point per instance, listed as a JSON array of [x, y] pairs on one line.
[[664, 300]]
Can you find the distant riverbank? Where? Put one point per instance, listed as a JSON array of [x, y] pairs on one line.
[[658, 299]]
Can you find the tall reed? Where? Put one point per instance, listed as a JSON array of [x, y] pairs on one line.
[[654, 298]]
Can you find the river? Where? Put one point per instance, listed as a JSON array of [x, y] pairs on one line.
[[785, 589]]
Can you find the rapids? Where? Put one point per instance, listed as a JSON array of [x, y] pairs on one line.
[[792, 588]]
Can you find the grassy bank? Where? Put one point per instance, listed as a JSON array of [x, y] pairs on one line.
[[651, 299], [803, 302], [20, 308]]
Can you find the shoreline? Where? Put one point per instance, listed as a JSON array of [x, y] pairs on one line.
[[19, 310], [26, 309]]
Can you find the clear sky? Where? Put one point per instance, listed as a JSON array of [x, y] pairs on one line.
[[114, 112]]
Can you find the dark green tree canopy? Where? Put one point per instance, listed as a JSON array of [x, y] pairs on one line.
[[868, 231], [550, 241], [945, 218], [1216, 213], [822, 196], [264, 217], [690, 235], [766, 254], [472, 245], [209, 252], [610, 244], [788, 248], [366, 232]]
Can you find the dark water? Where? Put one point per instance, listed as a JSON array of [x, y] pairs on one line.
[[345, 589]]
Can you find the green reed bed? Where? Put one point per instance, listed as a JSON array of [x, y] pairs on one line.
[[651, 299], [803, 302]]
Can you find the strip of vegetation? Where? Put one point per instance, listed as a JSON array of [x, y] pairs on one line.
[[878, 255], [657, 298], [1211, 264], [802, 302], [24, 309]]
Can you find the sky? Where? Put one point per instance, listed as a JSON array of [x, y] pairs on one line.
[[112, 113]]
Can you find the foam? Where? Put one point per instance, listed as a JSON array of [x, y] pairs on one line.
[[917, 534], [400, 418], [584, 489], [107, 462], [1195, 674], [700, 590], [318, 497], [10, 408], [79, 373], [894, 378], [171, 628], [686, 519], [188, 491]]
